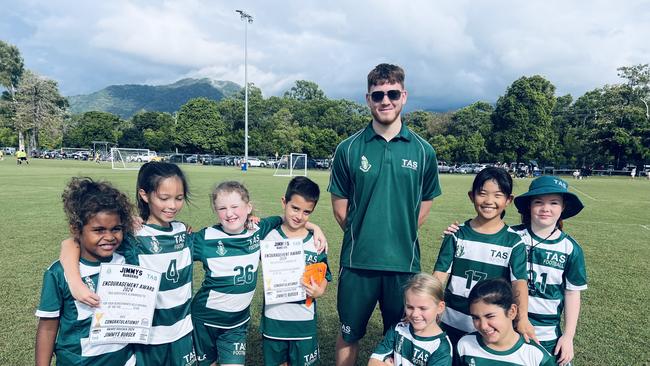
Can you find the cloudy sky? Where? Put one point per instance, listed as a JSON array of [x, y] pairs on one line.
[[454, 52]]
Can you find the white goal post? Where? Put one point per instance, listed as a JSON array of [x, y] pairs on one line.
[[129, 159], [291, 165]]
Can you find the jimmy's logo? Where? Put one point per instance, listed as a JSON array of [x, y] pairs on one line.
[[131, 272]]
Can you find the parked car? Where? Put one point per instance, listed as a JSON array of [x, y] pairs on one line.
[[443, 167], [81, 155], [217, 160], [299, 164], [255, 162], [465, 168], [192, 159], [478, 167]]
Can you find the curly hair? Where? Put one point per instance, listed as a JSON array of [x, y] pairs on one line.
[[84, 198]]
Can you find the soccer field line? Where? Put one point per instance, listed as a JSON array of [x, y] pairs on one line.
[[583, 193], [647, 227]]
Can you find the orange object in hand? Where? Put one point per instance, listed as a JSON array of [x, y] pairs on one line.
[[316, 272]]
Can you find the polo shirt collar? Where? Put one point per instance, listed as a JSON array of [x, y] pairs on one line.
[[404, 133]]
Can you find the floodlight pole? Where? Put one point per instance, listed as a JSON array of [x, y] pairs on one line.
[[246, 18]]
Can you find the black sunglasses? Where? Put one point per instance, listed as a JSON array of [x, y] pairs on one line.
[[378, 96]]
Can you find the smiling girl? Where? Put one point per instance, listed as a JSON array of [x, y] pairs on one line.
[[483, 248], [496, 343]]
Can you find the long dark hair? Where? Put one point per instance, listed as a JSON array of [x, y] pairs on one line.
[[149, 178]]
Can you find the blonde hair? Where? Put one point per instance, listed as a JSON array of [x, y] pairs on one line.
[[229, 187], [426, 284]]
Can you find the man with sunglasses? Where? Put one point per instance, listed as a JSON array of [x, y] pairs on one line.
[[383, 182]]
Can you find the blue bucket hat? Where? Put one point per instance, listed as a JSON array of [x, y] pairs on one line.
[[550, 185]]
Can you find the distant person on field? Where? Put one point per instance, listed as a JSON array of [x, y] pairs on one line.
[[99, 216], [290, 333], [633, 173], [21, 156], [2, 155], [97, 157], [383, 181]]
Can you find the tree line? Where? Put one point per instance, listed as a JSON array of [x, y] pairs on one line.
[[607, 125]]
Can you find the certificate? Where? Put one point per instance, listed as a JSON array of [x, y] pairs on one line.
[[128, 299], [283, 263]]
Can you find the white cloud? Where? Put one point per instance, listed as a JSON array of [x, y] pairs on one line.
[[454, 52]]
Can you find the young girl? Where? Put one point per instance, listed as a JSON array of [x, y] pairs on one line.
[[162, 244], [556, 263], [98, 216], [484, 247], [492, 307], [230, 253], [418, 340]]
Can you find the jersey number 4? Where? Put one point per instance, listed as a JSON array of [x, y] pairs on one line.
[[172, 273]]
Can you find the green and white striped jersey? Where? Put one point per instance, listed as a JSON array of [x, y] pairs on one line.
[[167, 250], [72, 345], [294, 320], [473, 352], [230, 263], [554, 266], [469, 257], [408, 349]]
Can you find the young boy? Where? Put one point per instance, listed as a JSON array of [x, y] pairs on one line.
[[98, 215], [289, 329]]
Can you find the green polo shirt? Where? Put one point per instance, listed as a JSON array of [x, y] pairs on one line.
[[384, 182]]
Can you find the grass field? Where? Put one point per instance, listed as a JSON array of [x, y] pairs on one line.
[[614, 230]]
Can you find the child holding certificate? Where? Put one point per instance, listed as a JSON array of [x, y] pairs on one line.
[[289, 329], [230, 253], [99, 216]]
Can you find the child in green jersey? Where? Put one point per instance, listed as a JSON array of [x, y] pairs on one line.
[[290, 334], [418, 340], [496, 343], [230, 254], [556, 265], [484, 247], [162, 244], [99, 216]]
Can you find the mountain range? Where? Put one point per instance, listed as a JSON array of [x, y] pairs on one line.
[[126, 100]]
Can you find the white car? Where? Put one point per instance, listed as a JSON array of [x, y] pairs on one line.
[[255, 162]]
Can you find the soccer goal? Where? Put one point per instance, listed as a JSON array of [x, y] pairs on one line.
[[129, 159], [291, 165]]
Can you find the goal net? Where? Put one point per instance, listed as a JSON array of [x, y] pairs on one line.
[[129, 159], [291, 165]]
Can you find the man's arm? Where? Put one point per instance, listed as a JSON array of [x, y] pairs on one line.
[[340, 208], [425, 208]]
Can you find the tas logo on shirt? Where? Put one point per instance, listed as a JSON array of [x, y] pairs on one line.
[[460, 250], [409, 164], [89, 283], [221, 249], [365, 164], [155, 245]]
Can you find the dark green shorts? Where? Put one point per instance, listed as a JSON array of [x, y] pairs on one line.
[[302, 352], [177, 353], [223, 346], [359, 290]]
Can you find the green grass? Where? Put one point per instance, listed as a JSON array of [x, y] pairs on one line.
[[614, 230]]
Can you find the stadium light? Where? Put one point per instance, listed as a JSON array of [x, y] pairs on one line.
[[246, 18]]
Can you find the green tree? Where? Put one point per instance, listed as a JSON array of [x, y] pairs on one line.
[[38, 107], [522, 121], [200, 127], [11, 71], [93, 126], [305, 90], [286, 136]]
